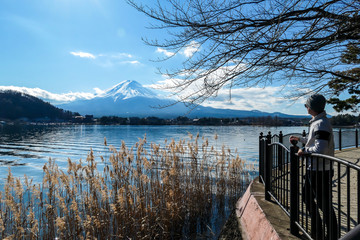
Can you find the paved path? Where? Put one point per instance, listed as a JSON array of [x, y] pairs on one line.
[[350, 154]]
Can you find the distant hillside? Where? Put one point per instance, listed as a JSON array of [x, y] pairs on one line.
[[15, 105]]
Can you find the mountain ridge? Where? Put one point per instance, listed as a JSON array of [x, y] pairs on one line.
[[130, 98]]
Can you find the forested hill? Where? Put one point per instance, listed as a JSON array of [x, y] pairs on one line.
[[15, 105]]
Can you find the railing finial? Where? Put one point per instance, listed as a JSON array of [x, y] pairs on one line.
[[294, 142]]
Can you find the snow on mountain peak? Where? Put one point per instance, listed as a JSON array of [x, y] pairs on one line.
[[128, 89]]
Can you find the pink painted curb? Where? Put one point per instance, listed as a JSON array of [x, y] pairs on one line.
[[254, 224]]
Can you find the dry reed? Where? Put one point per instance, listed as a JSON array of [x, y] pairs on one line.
[[171, 192]]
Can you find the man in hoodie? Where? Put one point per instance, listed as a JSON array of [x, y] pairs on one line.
[[318, 177]]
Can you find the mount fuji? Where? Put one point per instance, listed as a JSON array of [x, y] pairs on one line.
[[130, 99], [127, 99], [127, 89]]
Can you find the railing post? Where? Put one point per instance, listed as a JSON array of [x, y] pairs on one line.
[[353, 234], [356, 138], [294, 189], [280, 152], [340, 139], [304, 135], [261, 157], [268, 167]]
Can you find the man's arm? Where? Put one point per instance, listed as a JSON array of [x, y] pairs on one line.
[[322, 139]]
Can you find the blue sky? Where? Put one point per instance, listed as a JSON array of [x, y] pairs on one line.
[[87, 46], [42, 42]]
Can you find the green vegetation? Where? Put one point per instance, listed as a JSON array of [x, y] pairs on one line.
[[171, 192], [348, 80], [345, 120], [15, 105]]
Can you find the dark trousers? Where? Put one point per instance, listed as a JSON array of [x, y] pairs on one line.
[[317, 192]]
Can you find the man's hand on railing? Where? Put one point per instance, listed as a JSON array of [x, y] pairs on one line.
[[300, 152]]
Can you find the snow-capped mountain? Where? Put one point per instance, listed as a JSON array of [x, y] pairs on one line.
[[128, 89], [131, 99], [128, 98]]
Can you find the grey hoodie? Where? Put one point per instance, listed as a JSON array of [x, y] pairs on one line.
[[319, 140]]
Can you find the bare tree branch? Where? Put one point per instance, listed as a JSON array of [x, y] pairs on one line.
[[256, 42]]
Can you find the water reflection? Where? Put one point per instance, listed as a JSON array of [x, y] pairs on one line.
[[27, 148], [11, 163]]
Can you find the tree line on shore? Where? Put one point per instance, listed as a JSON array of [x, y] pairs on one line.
[[345, 120], [338, 120], [181, 120]]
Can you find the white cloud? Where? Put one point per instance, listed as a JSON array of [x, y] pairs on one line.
[[264, 99], [48, 96], [162, 84], [83, 55], [168, 84], [190, 49], [108, 59], [121, 55], [268, 99], [115, 55], [134, 62], [163, 51]]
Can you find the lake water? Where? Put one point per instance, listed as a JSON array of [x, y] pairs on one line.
[[25, 149]]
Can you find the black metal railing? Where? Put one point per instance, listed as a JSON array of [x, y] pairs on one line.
[[346, 138], [329, 210]]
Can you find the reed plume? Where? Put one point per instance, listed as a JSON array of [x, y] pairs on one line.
[[143, 192]]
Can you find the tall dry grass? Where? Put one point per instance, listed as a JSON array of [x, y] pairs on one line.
[[177, 191]]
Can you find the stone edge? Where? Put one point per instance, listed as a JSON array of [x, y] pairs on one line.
[[252, 219]]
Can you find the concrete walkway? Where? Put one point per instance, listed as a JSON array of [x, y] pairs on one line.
[[350, 154], [249, 216]]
